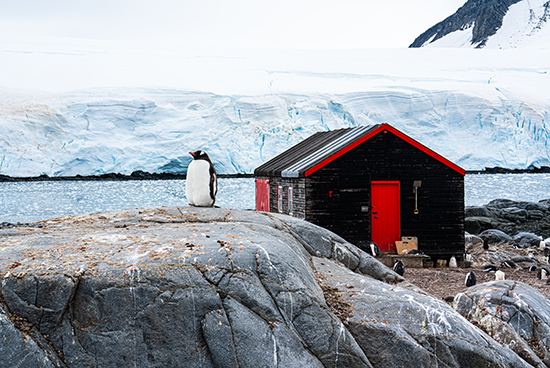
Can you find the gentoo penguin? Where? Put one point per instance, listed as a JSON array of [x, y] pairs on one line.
[[542, 274], [201, 183], [374, 250], [508, 263], [532, 268], [452, 262], [486, 244], [449, 299], [489, 268], [470, 279], [399, 267], [499, 275]]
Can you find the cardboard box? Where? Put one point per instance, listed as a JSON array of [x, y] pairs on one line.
[[404, 247], [410, 238]]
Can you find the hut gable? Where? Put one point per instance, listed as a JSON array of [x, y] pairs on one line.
[[359, 183]]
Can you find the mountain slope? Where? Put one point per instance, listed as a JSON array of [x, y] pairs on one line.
[[492, 24]]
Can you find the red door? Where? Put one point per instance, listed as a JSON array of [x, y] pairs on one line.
[[385, 214], [262, 195]]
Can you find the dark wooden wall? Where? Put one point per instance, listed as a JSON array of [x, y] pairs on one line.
[[298, 185], [439, 225]]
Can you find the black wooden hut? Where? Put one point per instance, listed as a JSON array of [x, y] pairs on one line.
[[369, 183]]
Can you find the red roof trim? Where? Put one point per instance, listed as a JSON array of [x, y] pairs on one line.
[[396, 132]]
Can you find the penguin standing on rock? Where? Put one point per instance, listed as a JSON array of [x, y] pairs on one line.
[[201, 182]]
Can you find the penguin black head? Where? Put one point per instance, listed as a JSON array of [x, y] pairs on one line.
[[199, 155]]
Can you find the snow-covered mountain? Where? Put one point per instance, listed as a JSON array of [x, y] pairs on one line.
[[87, 108], [499, 24]]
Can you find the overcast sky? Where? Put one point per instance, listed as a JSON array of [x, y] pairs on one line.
[[230, 23]]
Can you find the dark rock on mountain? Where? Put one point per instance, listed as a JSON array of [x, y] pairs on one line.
[[484, 15], [217, 288], [514, 314]]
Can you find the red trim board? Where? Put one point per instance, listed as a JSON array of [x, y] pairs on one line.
[[389, 128]]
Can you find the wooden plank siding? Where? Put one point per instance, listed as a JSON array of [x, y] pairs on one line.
[[298, 185], [439, 225]]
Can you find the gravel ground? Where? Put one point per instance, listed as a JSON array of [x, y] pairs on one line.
[[442, 282]]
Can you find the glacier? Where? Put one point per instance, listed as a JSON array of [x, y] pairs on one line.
[[87, 109]]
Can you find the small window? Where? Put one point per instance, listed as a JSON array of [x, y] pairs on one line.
[[280, 198], [290, 200]]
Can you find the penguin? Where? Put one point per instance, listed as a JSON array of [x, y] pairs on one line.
[[201, 182], [508, 263], [486, 244], [399, 267], [542, 274], [452, 262], [499, 275], [415, 252], [469, 257], [532, 268], [449, 299], [470, 279], [489, 268], [542, 245], [374, 250]]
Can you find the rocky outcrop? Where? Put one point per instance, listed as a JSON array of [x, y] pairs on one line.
[[212, 287], [513, 218], [484, 16], [397, 327], [514, 314]]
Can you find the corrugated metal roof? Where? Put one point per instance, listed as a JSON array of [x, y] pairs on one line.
[[295, 161], [321, 148]]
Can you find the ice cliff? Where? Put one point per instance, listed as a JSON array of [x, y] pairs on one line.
[[94, 111]]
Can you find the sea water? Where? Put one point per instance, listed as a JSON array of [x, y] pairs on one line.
[[41, 200]]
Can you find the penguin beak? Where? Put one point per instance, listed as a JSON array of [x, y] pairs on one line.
[[192, 154]]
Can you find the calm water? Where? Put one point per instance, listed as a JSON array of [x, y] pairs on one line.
[[35, 201]]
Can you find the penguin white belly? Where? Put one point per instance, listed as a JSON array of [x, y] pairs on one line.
[[198, 184]]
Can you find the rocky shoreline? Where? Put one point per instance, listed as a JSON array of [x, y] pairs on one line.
[[143, 175], [524, 224]]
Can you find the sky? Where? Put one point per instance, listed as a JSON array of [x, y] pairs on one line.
[[281, 24]]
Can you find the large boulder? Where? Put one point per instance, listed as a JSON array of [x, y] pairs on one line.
[[212, 287], [399, 327], [514, 314]]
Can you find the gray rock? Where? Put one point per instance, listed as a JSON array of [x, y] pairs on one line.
[[494, 236], [526, 240], [398, 327], [514, 314], [207, 287], [477, 211], [478, 224]]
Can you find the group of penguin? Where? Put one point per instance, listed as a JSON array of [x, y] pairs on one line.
[[399, 268]]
